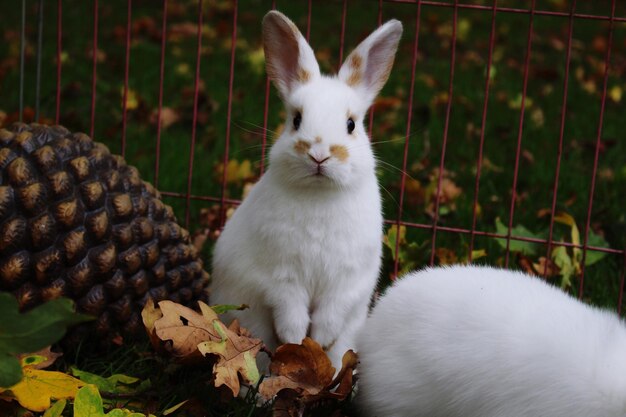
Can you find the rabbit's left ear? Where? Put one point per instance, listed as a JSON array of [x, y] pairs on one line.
[[367, 68]]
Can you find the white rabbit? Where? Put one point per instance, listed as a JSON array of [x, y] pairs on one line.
[[303, 250], [483, 342]]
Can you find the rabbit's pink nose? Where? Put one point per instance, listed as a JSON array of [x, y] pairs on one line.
[[318, 161]]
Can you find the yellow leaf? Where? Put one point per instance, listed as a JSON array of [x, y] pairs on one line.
[[256, 59], [38, 387], [516, 103], [132, 102], [568, 220], [616, 93], [236, 172], [463, 28], [183, 69], [174, 408]]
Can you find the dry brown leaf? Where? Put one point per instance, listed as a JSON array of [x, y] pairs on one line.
[[304, 368], [149, 315], [236, 352], [446, 256], [192, 336], [169, 116], [185, 329], [302, 378], [546, 267]]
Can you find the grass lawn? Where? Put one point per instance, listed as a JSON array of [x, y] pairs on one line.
[[542, 126]]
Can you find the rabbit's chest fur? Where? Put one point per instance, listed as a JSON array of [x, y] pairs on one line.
[[316, 240]]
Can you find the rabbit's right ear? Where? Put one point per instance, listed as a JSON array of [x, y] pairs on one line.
[[288, 57]]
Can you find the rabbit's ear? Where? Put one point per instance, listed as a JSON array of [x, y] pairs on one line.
[[367, 68], [288, 57]]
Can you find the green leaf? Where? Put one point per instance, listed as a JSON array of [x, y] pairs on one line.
[[30, 331], [88, 402], [223, 308], [566, 266], [526, 248], [390, 238], [116, 383], [10, 370], [56, 410], [592, 256], [577, 253], [37, 328], [174, 408]]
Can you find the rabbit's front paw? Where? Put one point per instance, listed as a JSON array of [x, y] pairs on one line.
[[291, 332], [325, 332], [291, 323]]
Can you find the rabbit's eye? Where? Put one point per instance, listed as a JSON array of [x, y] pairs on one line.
[[297, 119], [350, 125]]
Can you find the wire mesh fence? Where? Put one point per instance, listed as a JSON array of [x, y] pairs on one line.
[[500, 124]]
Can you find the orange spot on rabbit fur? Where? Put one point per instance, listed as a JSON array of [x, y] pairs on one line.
[[302, 146], [340, 152]]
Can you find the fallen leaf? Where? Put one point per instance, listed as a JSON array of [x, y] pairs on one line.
[[446, 256], [305, 368], [546, 267], [88, 403], [223, 308], [38, 387], [236, 352], [593, 256], [149, 315], [40, 359], [169, 116], [390, 239], [199, 238], [116, 383], [616, 93], [236, 172], [526, 248], [302, 377], [56, 410], [174, 408], [193, 336], [132, 100], [577, 253], [566, 267]]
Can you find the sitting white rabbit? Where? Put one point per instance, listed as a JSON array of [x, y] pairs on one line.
[[304, 248], [482, 342]]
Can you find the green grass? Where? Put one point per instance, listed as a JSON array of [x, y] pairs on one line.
[[540, 135]]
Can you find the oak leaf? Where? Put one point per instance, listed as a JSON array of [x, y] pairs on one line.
[[192, 336], [302, 376]]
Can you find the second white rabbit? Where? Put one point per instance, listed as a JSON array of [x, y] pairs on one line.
[[483, 342]]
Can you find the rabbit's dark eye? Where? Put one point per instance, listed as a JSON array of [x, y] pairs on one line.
[[297, 119], [350, 125]]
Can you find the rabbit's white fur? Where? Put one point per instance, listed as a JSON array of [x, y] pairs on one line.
[[483, 342], [303, 250]]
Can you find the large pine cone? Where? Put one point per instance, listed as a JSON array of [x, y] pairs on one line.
[[76, 221]]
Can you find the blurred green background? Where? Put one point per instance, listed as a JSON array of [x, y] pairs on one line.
[[540, 135]]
